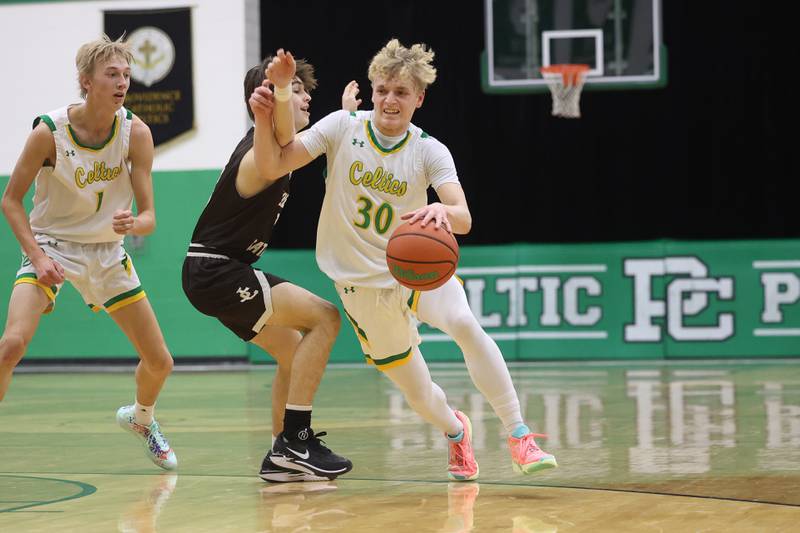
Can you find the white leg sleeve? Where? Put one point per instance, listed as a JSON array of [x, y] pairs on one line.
[[447, 309], [423, 395]]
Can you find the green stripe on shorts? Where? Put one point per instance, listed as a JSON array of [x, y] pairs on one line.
[[124, 295]]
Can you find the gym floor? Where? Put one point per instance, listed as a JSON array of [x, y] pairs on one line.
[[687, 446]]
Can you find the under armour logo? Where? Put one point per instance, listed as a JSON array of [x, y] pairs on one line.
[[359, 143], [245, 294], [349, 290], [69, 153]]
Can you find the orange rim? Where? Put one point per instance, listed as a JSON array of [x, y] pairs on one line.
[[571, 73]]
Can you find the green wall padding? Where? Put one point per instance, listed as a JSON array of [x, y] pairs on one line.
[[633, 300]]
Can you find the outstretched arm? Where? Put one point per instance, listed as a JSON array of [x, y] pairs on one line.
[[39, 149], [281, 72], [273, 161]]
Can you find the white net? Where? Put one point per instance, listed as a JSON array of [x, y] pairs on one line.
[[566, 83]]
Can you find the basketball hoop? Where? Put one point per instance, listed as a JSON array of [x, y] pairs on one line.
[[565, 82]]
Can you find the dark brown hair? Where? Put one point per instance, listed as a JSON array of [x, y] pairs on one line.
[[255, 76]]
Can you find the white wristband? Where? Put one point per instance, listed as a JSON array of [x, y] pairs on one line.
[[282, 94]]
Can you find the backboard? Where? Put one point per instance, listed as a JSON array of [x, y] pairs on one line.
[[619, 39]]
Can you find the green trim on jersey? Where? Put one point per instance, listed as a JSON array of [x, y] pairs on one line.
[[49, 121], [375, 144], [74, 137]]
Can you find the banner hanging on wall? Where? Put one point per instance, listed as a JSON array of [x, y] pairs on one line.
[[161, 74]]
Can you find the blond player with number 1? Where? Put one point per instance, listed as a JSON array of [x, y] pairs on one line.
[[89, 160]]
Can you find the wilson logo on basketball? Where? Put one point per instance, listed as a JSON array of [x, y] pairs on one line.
[[410, 275]]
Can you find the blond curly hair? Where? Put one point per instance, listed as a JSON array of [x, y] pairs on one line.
[[396, 61]]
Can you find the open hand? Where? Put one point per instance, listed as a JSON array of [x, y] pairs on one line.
[[349, 100], [435, 212]]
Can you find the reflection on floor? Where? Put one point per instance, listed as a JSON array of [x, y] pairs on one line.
[[685, 447]]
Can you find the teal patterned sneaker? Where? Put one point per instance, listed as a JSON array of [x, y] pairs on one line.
[[155, 444]]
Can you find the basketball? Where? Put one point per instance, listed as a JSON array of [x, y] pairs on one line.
[[422, 258]]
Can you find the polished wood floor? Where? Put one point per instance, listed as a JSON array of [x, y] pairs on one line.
[[678, 447]]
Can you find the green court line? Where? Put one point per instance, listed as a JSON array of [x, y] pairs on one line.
[[85, 490]]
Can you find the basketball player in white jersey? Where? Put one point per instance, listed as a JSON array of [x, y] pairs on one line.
[[379, 168], [89, 161]]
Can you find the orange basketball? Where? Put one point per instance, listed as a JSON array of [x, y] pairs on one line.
[[422, 258]]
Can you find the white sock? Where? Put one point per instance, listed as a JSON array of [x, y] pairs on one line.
[[423, 395], [448, 310], [143, 414]]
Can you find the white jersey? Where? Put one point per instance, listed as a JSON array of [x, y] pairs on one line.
[[368, 188], [76, 199]]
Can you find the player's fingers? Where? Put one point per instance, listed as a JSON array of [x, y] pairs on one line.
[[262, 90], [262, 97], [259, 98], [411, 217]]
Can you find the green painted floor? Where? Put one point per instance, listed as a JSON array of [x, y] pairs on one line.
[[678, 447]]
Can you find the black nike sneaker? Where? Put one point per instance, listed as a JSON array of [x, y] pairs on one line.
[[305, 452], [277, 474]]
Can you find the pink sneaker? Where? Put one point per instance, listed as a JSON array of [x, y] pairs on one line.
[[462, 465], [527, 457], [460, 505]]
